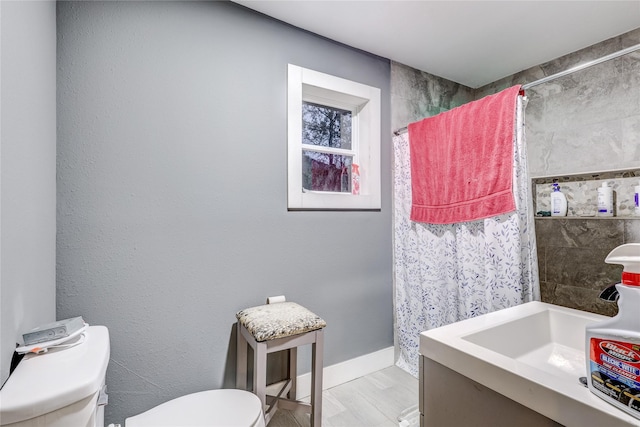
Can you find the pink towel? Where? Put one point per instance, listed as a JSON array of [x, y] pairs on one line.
[[462, 161]]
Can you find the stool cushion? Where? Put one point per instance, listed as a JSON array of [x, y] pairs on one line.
[[278, 320]]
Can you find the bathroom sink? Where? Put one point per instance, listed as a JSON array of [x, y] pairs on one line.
[[533, 354], [550, 340]]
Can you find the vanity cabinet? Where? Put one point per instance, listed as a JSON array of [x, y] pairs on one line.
[[448, 399]]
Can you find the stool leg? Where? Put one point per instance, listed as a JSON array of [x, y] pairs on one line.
[[316, 379], [293, 372], [241, 359], [260, 372]]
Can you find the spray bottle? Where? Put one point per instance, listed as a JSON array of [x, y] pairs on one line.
[[613, 346]]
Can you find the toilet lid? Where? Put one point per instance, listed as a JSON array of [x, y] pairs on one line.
[[229, 408]]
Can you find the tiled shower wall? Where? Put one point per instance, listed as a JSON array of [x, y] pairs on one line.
[[586, 122], [571, 255], [416, 95]]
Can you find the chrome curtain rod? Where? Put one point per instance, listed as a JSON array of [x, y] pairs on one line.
[[564, 73], [582, 66]]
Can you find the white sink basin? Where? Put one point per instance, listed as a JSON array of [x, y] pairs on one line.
[[533, 354]]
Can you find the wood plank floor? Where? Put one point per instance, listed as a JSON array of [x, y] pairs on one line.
[[375, 400]]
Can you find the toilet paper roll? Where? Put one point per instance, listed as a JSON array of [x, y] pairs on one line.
[[273, 300]]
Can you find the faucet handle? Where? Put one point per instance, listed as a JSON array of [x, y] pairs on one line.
[[610, 293]]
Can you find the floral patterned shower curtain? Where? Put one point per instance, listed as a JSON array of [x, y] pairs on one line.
[[446, 273]]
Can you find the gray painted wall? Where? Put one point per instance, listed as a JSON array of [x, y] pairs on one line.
[[172, 193], [27, 171]]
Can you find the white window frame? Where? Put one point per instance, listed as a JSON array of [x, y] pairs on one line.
[[364, 103]]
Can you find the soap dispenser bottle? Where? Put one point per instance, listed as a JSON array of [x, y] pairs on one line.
[[613, 346], [558, 201]]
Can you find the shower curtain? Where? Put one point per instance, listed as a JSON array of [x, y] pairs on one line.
[[449, 272]]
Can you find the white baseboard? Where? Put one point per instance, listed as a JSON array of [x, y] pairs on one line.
[[348, 370]]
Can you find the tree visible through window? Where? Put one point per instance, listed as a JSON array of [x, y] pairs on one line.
[[329, 128]]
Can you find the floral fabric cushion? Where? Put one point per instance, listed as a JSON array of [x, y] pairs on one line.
[[278, 320]]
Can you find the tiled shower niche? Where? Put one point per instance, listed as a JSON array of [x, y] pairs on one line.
[[582, 192], [572, 249]]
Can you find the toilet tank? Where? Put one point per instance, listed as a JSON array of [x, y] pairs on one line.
[[63, 387]]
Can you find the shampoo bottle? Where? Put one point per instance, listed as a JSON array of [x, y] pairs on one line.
[[558, 201], [636, 197], [613, 346], [605, 200]]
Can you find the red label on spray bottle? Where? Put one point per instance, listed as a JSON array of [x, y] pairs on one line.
[[615, 370]]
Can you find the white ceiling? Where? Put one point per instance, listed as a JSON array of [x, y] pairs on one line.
[[469, 42]]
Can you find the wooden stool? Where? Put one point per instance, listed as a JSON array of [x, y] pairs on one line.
[[275, 327]]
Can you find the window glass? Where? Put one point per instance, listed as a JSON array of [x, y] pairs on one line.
[[326, 172], [326, 126]]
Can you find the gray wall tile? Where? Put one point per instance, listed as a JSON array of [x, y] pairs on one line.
[[416, 94], [572, 252], [632, 231]]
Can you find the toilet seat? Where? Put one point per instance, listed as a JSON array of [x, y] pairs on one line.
[[212, 408]]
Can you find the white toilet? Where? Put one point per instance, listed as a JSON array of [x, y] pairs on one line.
[[66, 387], [228, 408]]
